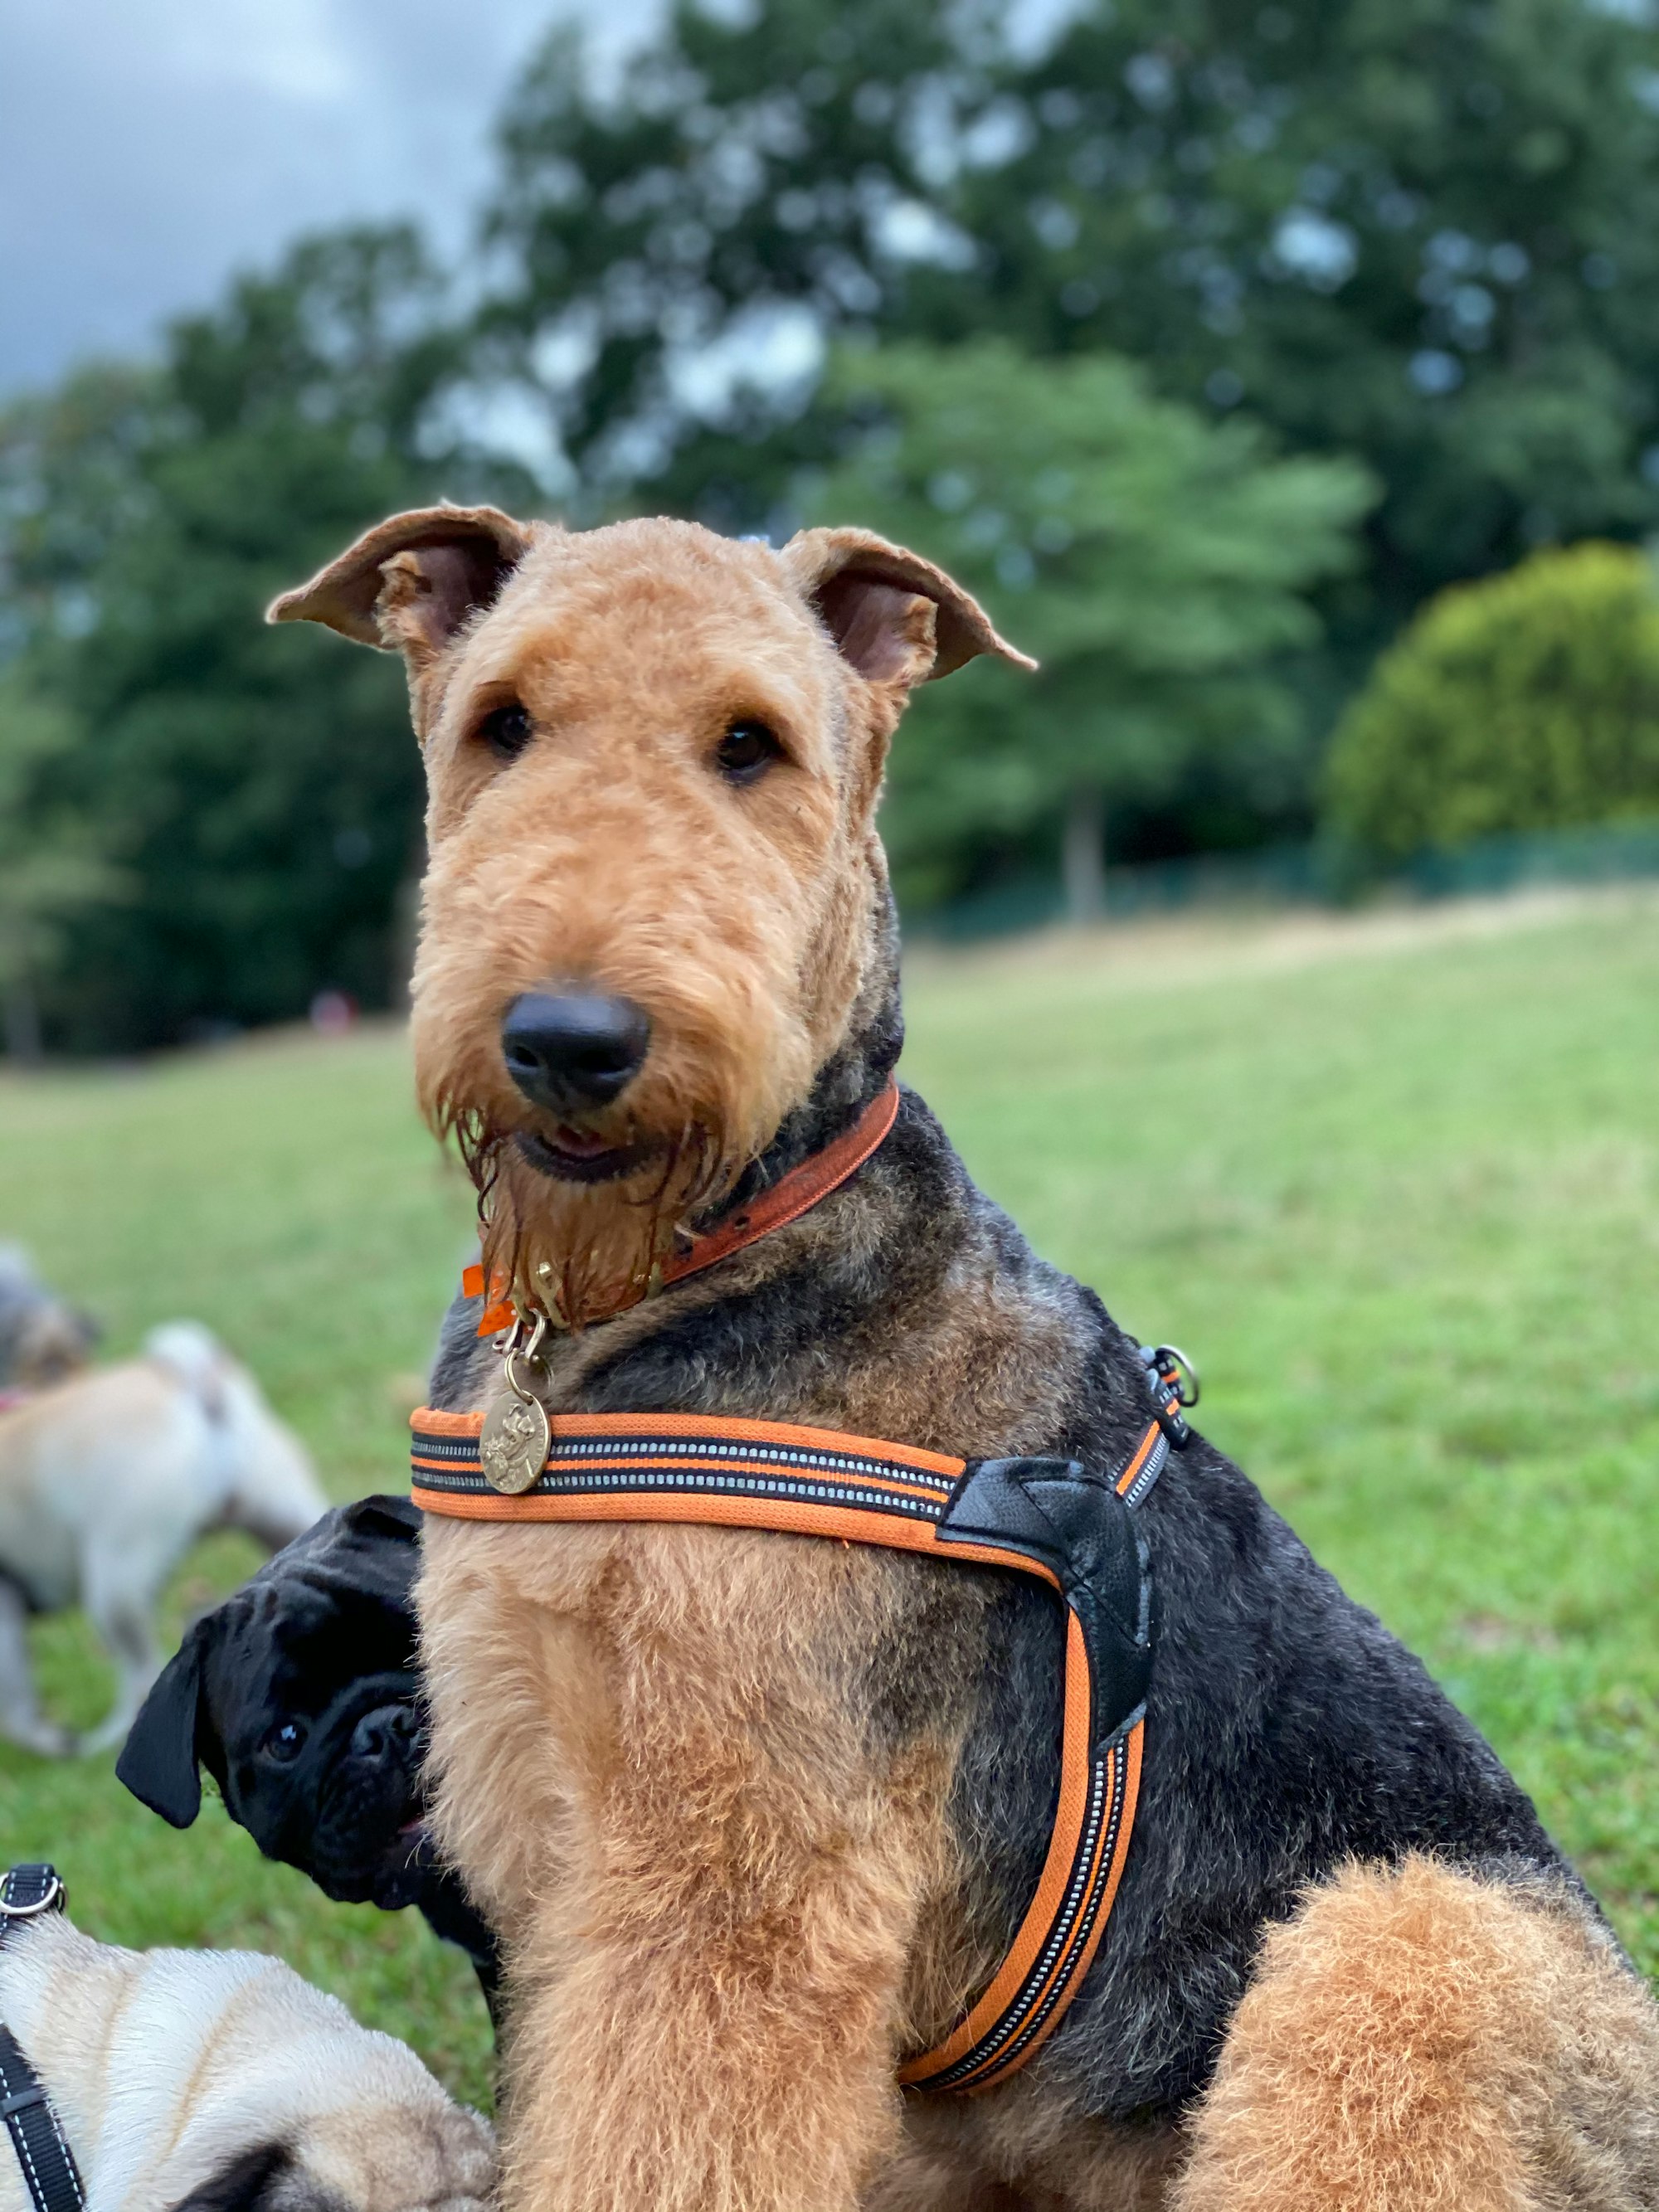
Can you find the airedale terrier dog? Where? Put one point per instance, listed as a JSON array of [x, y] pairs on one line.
[[767, 1790]]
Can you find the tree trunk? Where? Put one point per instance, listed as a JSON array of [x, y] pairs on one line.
[[1083, 855], [21, 1023]]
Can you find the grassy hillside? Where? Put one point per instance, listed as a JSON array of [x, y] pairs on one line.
[[1392, 1184]]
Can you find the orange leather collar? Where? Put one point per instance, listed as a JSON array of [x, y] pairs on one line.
[[786, 1200]]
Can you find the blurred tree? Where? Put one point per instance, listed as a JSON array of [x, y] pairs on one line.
[[1427, 234], [1155, 564], [672, 249], [258, 792], [53, 865], [1423, 235], [1525, 702]]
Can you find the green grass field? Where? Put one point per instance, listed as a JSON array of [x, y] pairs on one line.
[[1395, 1184]]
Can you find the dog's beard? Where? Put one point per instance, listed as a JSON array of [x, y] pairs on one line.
[[581, 1251], [728, 1059]]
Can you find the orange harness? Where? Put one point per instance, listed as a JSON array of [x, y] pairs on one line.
[[1069, 1527]]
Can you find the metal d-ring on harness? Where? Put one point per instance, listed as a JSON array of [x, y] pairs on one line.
[[50, 2173], [1071, 1526], [1173, 1381]]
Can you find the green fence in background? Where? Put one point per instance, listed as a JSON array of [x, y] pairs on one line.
[[1307, 875]]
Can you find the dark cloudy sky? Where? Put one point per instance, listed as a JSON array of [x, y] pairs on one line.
[[148, 147]]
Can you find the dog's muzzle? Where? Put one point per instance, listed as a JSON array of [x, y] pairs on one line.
[[353, 1819]]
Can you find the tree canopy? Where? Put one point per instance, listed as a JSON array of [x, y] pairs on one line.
[[1153, 562], [1426, 233], [255, 795], [1215, 264]]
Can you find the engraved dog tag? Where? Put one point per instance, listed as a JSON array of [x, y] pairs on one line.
[[514, 1446]]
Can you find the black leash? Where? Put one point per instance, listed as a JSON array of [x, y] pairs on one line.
[[49, 2169]]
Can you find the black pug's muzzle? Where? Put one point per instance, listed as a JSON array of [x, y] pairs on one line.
[[340, 1796]]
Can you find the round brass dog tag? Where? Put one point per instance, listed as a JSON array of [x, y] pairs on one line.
[[512, 1447]]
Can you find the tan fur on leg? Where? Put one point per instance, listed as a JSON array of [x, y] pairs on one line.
[[710, 1880], [924, 2178], [1418, 2041], [1024, 2150]]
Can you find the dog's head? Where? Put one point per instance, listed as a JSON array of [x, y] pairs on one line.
[[230, 2085], [299, 1695], [375, 2155], [43, 1339], [655, 890]]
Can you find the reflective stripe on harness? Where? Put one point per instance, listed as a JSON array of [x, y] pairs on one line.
[[50, 2173], [1052, 1518]]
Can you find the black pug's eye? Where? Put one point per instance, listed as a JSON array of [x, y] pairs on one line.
[[285, 1741], [507, 730], [746, 751]]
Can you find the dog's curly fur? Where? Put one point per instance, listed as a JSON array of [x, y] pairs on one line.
[[758, 1814], [1417, 2041]]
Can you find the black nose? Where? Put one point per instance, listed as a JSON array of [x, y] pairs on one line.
[[570, 1054], [390, 1731]]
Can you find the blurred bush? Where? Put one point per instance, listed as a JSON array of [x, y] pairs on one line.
[[1527, 702], [54, 861], [1155, 563]]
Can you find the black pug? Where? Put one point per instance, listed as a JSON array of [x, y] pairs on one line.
[[300, 1694]]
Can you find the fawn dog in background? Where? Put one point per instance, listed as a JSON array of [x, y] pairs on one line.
[[105, 1481], [757, 1814]]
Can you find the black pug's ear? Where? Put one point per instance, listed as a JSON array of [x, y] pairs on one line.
[[395, 1519], [158, 1761], [369, 1550]]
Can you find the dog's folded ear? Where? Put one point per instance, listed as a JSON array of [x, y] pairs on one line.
[[410, 583], [266, 2179], [369, 1549], [385, 1514], [158, 1761], [897, 618]]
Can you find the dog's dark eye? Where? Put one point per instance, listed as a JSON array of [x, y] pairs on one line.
[[746, 751], [285, 1741], [507, 731]]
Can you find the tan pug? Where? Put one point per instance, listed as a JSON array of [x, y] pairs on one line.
[[219, 2080]]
